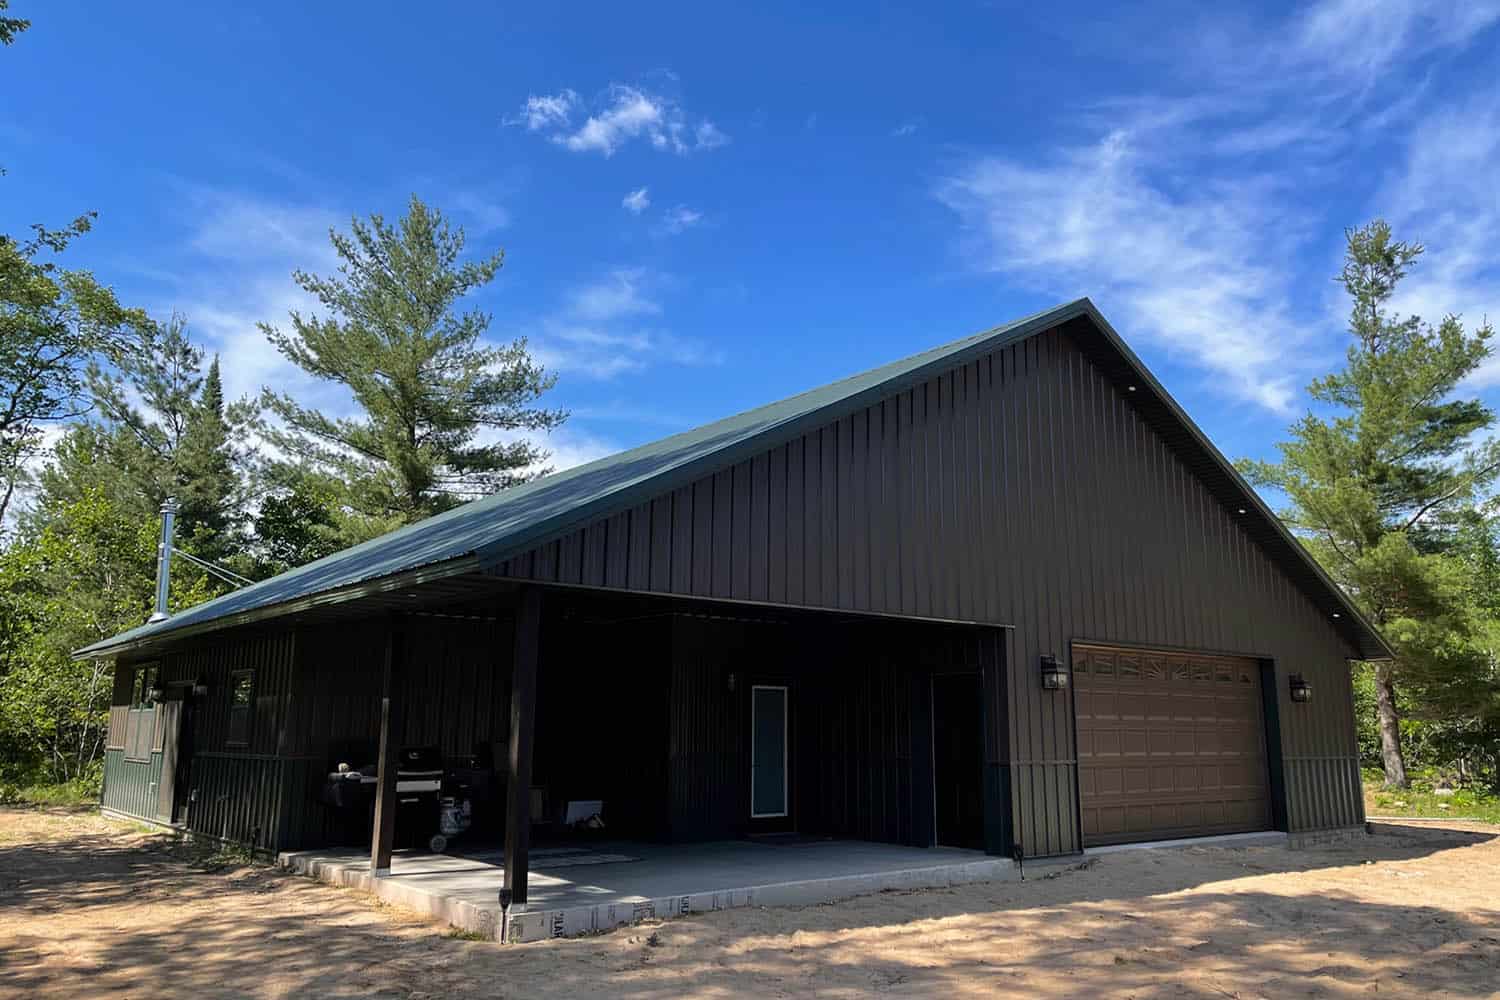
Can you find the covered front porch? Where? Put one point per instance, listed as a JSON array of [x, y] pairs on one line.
[[722, 752], [582, 889]]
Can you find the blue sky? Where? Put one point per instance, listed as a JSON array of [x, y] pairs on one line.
[[706, 209]]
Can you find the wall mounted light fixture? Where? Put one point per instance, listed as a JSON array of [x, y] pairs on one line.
[[1300, 688], [1054, 674]]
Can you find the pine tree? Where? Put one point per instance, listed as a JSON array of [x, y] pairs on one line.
[[160, 428], [439, 409], [208, 483], [1375, 485]]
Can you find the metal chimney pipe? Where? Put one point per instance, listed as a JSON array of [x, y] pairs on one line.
[[164, 560]]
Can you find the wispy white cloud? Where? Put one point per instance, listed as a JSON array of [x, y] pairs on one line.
[[236, 271], [547, 111], [622, 293], [1188, 268], [234, 226], [1189, 216], [1447, 193], [679, 219], [1359, 39], [611, 327], [569, 446], [709, 136], [480, 213], [636, 201], [906, 128], [621, 115]]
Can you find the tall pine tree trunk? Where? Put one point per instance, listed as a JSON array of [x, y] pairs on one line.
[[1390, 727]]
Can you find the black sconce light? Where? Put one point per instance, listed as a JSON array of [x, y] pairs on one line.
[[734, 681], [155, 694], [200, 687], [1054, 674], [1301, 689]]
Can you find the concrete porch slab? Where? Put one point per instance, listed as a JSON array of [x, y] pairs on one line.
[[568, 897]]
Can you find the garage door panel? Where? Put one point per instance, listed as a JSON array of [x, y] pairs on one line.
[[1170, 745]]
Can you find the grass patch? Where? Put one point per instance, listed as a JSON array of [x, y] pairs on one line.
[[459, 934], [218, 856], [69, 795], [1422, 800]]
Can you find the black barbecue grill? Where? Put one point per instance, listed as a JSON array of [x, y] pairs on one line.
[[420, 802]]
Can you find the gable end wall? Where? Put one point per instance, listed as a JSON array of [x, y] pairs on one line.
[[1021, 489]]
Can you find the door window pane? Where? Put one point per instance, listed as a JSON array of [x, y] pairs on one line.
[[768, 752]]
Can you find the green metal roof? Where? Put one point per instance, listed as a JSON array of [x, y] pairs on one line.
[[487, 531]]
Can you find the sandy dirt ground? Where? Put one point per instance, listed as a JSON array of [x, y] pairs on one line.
[[90, 907]]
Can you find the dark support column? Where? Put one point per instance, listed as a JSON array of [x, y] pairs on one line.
[[522, 725], [392, 725]]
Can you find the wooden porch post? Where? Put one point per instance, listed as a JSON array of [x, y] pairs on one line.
[[522, 724], [392, 725]]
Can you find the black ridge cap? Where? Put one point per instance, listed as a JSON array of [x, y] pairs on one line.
[[570, 499]]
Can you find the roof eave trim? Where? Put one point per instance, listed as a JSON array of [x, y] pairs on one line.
[[326, 598]]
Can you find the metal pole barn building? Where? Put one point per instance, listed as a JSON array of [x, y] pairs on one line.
[[1002, 594]]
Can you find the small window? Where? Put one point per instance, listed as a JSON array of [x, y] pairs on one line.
[[140, 721], [241, 697], [1128, 666], [141, 687], [1224, 673]]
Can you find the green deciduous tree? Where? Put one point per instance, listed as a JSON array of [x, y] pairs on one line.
[[1377, 481], [54, 324], [87, 575], [439, 410], [294, 528]]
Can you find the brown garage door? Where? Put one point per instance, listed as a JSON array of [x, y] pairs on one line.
[[1170, 744]]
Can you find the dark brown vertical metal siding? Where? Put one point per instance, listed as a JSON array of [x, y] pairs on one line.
[[860, 738], [1020, 489], [316, 690]]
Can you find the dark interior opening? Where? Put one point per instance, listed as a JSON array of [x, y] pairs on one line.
[[958, 760]]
